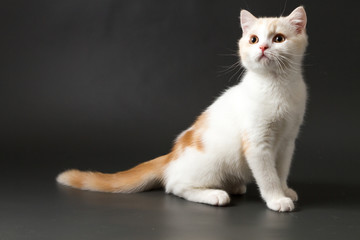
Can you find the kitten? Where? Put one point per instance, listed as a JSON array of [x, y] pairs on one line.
[[248, 132]]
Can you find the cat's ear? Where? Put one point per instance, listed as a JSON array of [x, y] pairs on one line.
[[298, 19], [246, 20]]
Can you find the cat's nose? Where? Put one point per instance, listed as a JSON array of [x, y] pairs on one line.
[[264, 47]]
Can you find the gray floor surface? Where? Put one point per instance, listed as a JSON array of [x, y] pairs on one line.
[[46, 210]]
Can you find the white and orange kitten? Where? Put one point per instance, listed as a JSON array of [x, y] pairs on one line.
[[248, 133]]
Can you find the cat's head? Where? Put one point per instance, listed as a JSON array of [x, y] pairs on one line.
[[273, 44]]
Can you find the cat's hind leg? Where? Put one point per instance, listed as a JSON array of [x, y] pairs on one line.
[[209, 196], [238, 189]]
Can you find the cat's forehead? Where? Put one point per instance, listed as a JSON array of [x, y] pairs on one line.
[[269, 26]]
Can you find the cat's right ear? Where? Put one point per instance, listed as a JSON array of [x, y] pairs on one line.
[[246, 20]]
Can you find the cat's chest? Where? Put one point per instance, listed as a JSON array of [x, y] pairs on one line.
[[273, 107], [278, 102], [276, 109]]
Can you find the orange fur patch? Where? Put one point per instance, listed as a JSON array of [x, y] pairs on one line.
[[245, 143], [192, 137], [273, 25]]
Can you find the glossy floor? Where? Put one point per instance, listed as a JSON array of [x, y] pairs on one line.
[[35, 210]]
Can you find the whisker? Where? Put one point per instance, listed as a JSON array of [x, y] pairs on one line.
[[230, 68], [229, 54], [285, 64], [235, 69], [240, 68], [283, 9]]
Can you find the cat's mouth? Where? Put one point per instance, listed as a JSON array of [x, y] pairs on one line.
[[263, 58]]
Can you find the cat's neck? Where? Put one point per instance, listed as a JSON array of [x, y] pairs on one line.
[[275, 77], [259, 84]]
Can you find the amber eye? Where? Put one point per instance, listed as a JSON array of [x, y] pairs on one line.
[[253, 39], [279, 38]]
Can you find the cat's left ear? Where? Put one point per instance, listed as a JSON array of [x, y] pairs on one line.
[[246, 20], [298, 19]]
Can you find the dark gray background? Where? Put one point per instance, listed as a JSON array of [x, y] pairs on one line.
[[105, 85]]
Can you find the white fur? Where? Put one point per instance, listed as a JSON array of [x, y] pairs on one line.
[[266, 109]]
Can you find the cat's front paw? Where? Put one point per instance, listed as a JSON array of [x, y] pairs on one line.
[[283, 204], [290, 193], [218, 197]]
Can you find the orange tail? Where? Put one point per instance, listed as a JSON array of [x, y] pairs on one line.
[[145, 176]]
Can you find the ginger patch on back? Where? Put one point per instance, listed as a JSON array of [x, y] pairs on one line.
[[192, 137]]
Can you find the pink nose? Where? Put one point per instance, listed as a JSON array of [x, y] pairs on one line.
[[264, 47]]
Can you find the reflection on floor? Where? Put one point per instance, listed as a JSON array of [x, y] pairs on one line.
[[51, 211]]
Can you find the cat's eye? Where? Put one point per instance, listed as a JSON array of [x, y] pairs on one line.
[[253, 39], [279, 38]]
